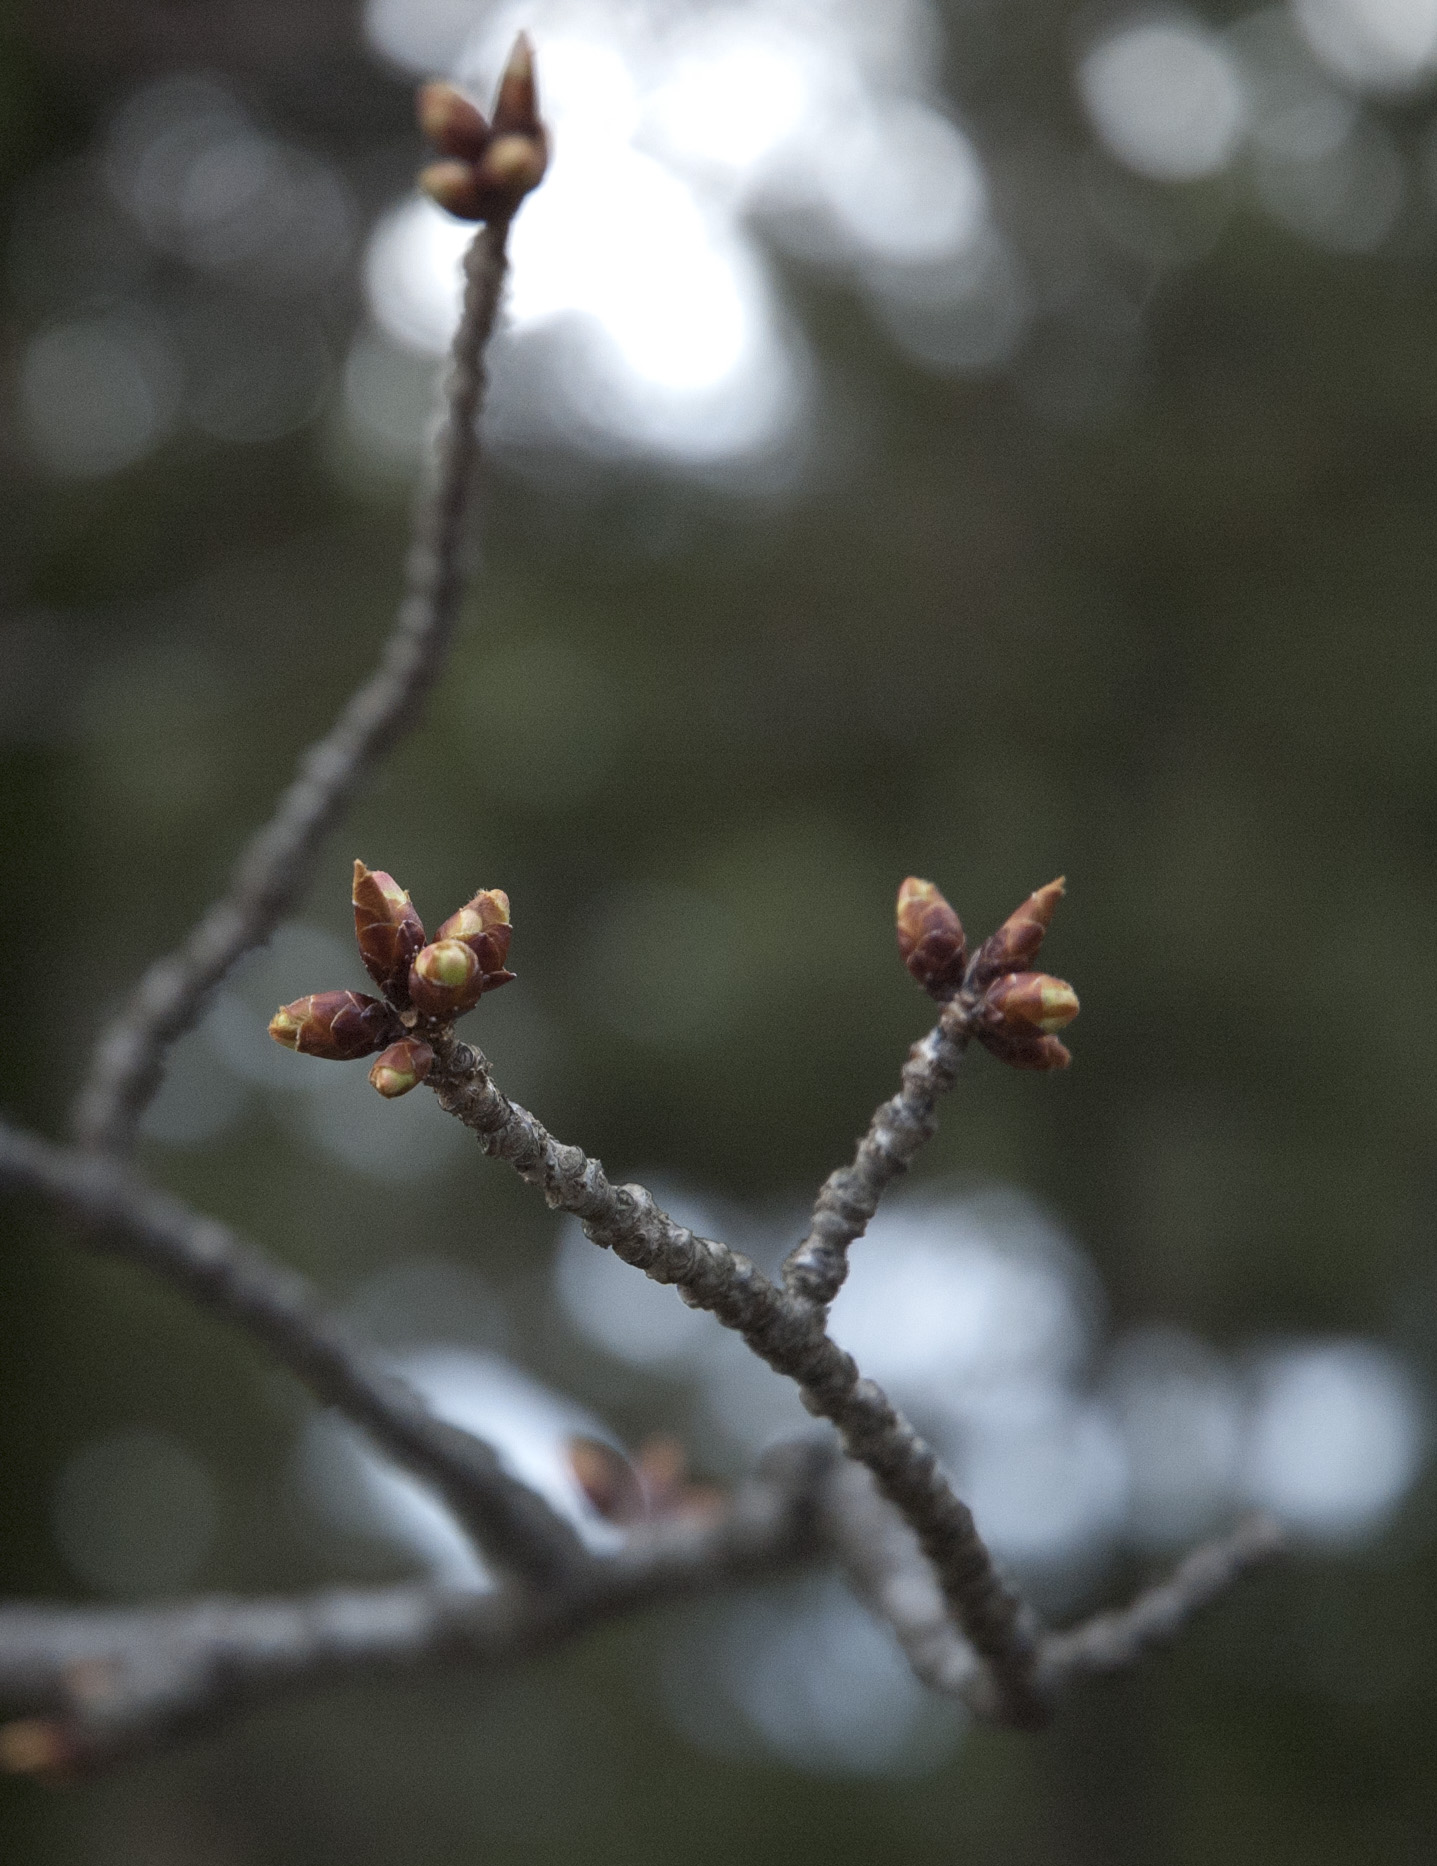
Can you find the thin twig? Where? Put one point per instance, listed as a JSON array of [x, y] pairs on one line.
[[1112, 1641], [273, 870], [782, 1330], [885, 1567], [123, 1217], [98, 1684], [814, 1270], [883, 1563]]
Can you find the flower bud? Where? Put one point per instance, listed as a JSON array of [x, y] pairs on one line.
[[1022, 1051], [338, 1025], [930, 938], [451, 122], [1029, 1001], [483, 925], [516, 108], [403, 1066], [1016, 942], [445, 979], [494, 172], [607, 1479], [389, 931], [511, 167], [454, 186]]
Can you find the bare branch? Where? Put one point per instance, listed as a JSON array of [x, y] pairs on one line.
[[886, 1569], [274, 868], [883, 1563], [1109, 1642], [124, 1218], [781, 1329], [814, 1271], [99, 1684]]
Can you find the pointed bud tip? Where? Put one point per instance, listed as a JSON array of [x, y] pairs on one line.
[[1043, 902]]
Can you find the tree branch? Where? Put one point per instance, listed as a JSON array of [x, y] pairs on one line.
[[100, 1684], [814, 1270], [124, 1218], [782, 1330], [1112, 1641], [886, 1569], [271, 873]]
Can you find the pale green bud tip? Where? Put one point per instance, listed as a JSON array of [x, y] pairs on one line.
[[448, 962], [1059, 1006], [403, 1066], [1033, 1001], [284, 1027]]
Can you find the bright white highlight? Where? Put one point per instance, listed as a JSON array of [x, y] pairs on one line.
[[1181, 1416], [357, 1490], [1379, 45], [806, 1673], [1294, 112], [1337, 1437], [1166, 99], [643, 317], [905, 185], [946, 1300], [1046, 1475], [738, 89], [1321, 166]]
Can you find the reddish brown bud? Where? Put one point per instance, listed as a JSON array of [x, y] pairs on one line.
[[1016, 942], [1023, 1051], [389, 931], [608, 1480], [930, 938], [511, 167], [36, 1746], [483, 925], [1029, 1001], [495, 173], [516, 108], [338, 1025], [448, 119], [455, 187], [403, 1066], [445, 979]]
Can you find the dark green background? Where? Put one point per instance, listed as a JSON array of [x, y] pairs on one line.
[[1181, 650]]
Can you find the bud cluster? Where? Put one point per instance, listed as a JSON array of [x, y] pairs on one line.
[[489, 167], [425, 986], [1014, 1012]]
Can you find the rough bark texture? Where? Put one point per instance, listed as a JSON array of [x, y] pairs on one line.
[[273, 871]]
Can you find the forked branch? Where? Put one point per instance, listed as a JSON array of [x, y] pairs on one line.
[[120, 1216], [94, 1685], [275, 868]]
